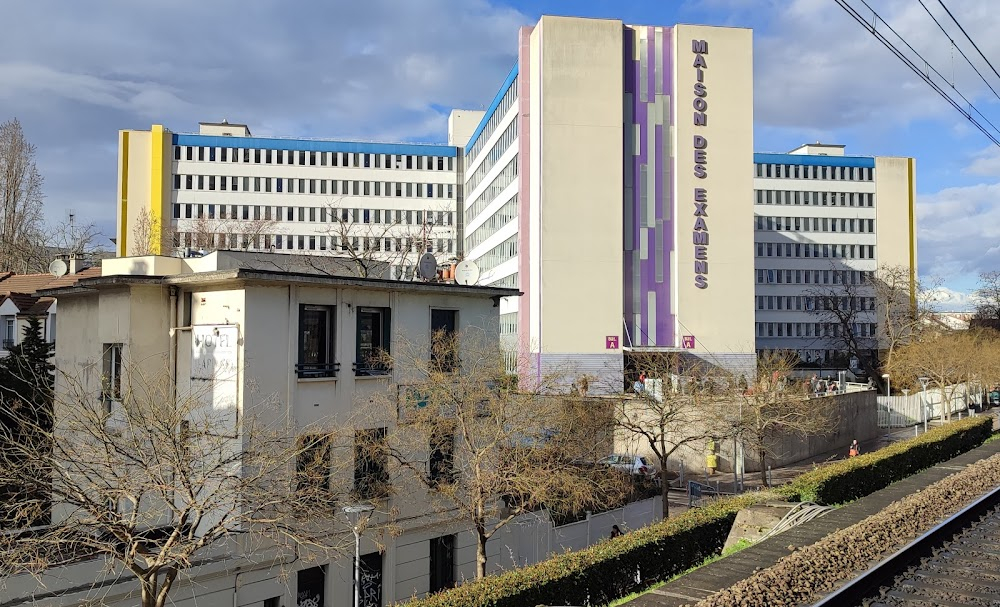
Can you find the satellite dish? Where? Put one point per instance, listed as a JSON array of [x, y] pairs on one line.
[[427, 267], [58, 268], [467, 272]]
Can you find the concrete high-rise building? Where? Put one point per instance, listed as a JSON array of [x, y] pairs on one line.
[[824, 225], [608, 180], [611, 179]]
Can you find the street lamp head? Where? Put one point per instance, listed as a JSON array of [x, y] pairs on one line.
[[355, 511], [923, 381], [885, 376]]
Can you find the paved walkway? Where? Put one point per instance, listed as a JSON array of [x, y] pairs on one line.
[[721, 574]]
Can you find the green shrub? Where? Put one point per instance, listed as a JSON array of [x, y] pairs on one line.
[[863, 475], [607, 570]]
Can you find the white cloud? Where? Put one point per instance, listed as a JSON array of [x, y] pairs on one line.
[[958, 230], [945, 299], [817, 68], [985, 162]]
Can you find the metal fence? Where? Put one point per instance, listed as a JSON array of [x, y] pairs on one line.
[[912, 409]]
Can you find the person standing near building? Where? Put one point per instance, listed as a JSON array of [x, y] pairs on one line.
[[855, 450]]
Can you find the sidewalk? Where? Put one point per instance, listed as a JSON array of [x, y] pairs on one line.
[[780, 476]]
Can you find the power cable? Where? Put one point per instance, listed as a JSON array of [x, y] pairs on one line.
[[916, 70], [939, 74], [959, 49], [969, 38]]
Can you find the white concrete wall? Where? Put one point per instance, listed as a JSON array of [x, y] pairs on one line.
[[721, 315]]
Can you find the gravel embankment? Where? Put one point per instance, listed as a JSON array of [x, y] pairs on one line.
[[811, 571]]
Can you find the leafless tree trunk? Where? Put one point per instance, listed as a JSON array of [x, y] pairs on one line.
[[20, 201]]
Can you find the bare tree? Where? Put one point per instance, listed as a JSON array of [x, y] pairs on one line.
[[667, 411], [988, 299], [20, 201], [154, 484], [871, 319], [483, 448], [372, 239], [772, 406], [149, 236]]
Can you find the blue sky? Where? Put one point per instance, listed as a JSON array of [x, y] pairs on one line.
[[75, 73]]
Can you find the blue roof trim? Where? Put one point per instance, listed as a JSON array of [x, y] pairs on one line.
[[309, 145], [815, 160], [493, 107]]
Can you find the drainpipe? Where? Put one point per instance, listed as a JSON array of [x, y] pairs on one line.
[[174, 322]]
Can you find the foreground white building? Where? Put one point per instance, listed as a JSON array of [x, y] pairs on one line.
[[300, 337]]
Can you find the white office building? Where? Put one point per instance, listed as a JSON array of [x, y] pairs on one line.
[[824, 224]]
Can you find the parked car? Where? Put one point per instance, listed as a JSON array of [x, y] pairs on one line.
[[633, 464]]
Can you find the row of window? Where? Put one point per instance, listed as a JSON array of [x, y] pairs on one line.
[[502, 144], [317, 355], [493, 123], [815, 224], [835, 251], [809, 303], [507, 282], [812, 329], [816, 199], [504, 215], [797, 171], [252, 212], [306, 158], [816, 277], [508, 323], [288, 185], [498, 254], [503, 179], [300, 242]]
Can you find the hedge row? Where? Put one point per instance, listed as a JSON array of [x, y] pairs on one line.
[[853, 478], [608, 570]]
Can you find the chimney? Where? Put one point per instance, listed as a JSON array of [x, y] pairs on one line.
[[73, 264]]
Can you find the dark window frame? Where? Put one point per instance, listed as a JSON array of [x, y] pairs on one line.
[[319, 359], [371, 464], [367, 361]]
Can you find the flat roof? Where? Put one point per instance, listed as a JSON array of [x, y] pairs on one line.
[[314, 145], [814, 160], [252, 275]]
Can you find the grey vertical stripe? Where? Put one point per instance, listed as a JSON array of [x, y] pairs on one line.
[[629, 218], [641, 80], [651, 316], [643, 194], [659, 250], [658, 61], [636, 281], [644, 244]]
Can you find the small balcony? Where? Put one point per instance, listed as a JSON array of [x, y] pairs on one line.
[[8, 344], [317, 370]]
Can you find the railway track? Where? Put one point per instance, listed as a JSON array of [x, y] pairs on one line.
[[956, 563]]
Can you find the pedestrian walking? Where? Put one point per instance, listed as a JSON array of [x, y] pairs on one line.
[[855, 449], [615, 531]]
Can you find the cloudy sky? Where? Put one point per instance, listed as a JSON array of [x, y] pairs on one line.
[[74, 73]]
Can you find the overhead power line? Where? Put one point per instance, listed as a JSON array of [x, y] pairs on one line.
[[926, 77], [959, 49], [969, 38]]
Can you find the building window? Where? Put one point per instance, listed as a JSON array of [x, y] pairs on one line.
[[444, 345], [9, 332], [371, 464], [111, 379], [441, 459], [316, 341], [311, 587], [442, 563], [312, 465], [373, 341]]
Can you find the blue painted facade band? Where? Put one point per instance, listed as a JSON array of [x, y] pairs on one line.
[[511, 77], [815, 160], [305, 145]]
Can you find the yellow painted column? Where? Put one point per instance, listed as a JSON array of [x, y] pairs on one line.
[[123, 226], [158, 190]]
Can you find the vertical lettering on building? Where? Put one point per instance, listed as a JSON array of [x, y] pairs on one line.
[[699, 234]]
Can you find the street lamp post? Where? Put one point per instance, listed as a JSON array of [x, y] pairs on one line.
[[354, 514], [923, 409], [888, 404]]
